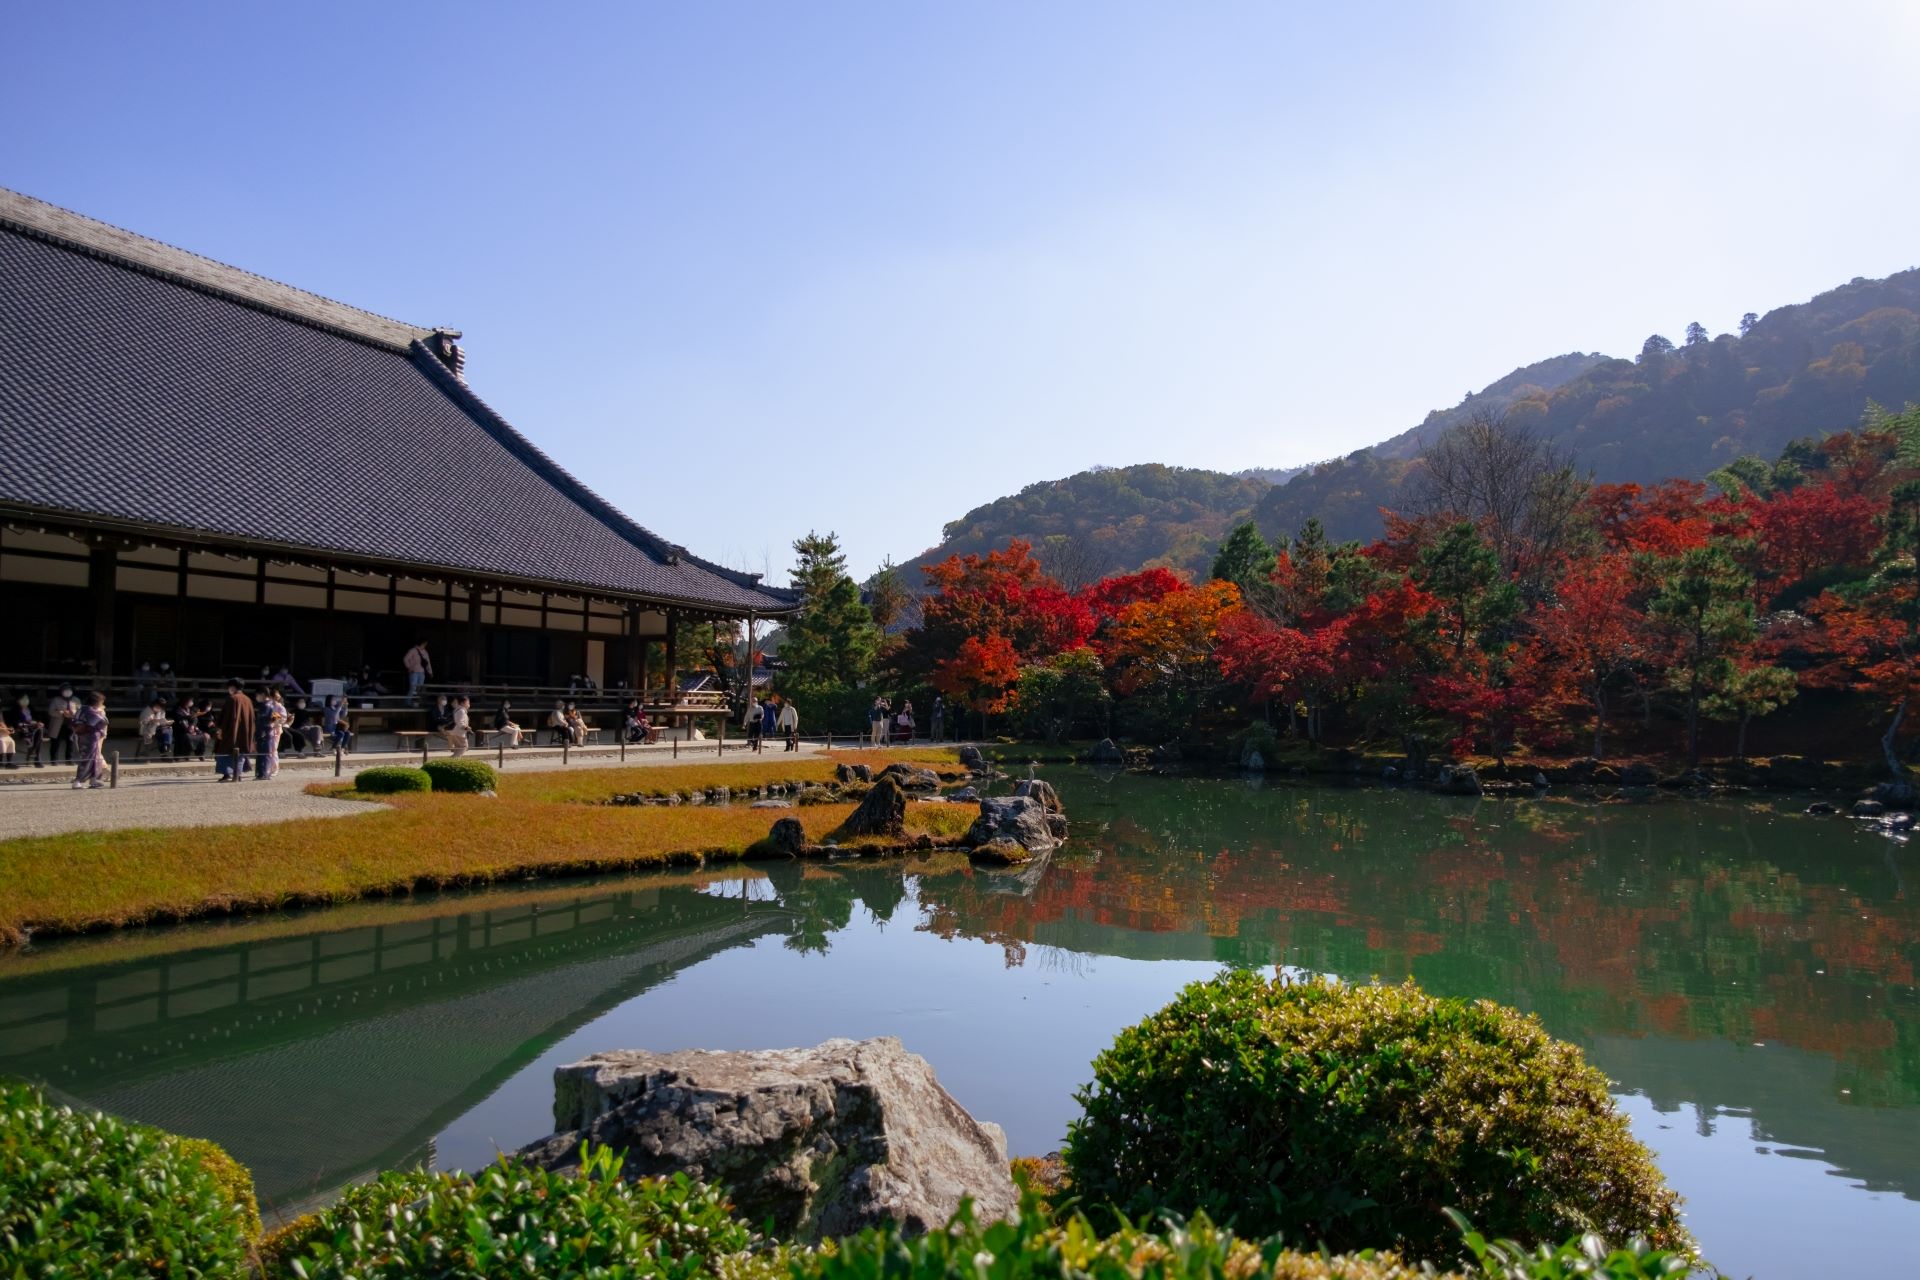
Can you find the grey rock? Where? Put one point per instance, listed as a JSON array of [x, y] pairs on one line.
[[853, 773], [1639, 775], [1254, 763], [912, 777], [696, 797], [1894, 795], [1459, 780], [971, 758], [1021, 819], [1041, 790], [1899, 822], [772, 804], [1820, 809], [788, 837], [1539, 780], [967, 794], [882, 812], [1868, 808], [1389, 774], [1000, 853], [823, 1141], [1106, 751]]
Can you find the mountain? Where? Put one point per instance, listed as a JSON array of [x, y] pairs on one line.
[[1674, 411], [1109, 520]]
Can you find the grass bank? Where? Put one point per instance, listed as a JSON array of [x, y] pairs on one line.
[[540, 824]]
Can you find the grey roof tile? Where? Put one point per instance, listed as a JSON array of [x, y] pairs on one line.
[[131, 392]]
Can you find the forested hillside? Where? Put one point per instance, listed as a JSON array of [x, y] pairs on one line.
[[1109, 520], [1675, 410]]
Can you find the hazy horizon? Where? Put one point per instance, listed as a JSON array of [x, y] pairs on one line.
[[864, 270]]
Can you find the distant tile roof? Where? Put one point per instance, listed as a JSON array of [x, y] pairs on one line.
[[142, 383]]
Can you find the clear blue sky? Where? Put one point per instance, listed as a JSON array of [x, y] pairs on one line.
[[755, 269]]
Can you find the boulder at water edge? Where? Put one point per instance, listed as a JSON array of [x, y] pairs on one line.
[[853, 773], [1021, 819], [824, 1141], [971, 758], [788, 837], [882, 812], [912, 777], [1106, 751]]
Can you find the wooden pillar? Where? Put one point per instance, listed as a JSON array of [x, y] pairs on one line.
[[646, 654], [102, 565], [476, 640], [636, 655], [673, 655]]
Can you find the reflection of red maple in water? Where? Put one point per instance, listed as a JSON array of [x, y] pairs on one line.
[[1701, 950]]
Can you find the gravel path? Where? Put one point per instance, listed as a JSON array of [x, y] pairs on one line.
[[42, 802], [165, 802]]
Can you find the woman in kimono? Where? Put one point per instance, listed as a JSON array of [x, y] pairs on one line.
[[90, 733]]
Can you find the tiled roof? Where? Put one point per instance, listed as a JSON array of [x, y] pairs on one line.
[[141, 383]]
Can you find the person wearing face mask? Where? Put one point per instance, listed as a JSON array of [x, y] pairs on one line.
[[61, 709], [27, 732]]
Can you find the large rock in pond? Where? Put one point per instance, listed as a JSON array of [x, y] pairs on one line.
[[1040, 790], [912, 777], [788, 837], [970, 757], [882, 812], [823, 1141], [853, 773], [1458, 780], [1106, 751], [1021, 819]]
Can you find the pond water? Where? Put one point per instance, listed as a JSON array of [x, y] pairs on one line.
[[1745, 974]]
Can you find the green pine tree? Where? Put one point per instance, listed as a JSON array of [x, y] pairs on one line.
[[831, 643], [1705, 602], [1246, 560]]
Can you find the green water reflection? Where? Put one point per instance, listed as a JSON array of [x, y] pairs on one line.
[[1722, 962]]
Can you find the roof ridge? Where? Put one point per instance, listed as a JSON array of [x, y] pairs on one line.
[[622, 523], [62, 226]]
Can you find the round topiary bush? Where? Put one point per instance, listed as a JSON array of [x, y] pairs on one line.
[[460, 775], [86, 1194], [514, 1219], [387, 779], [1354, 1116]]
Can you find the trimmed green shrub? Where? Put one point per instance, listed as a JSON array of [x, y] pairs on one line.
[[517, 1220], [88, 1195], [1033, 1247], [1352, 1115], [460, 775], [386, 779]]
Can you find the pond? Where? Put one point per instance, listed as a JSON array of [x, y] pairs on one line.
[[1744, 973]]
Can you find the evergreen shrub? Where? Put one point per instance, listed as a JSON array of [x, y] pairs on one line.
[[84, 1194], [517, 1220], [1351, 1116], [460, 775], [1035, 1247], [388, 779]]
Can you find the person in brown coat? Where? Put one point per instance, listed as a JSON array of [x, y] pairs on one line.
[[233, 733]]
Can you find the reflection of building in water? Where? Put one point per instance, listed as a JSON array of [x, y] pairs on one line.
[[318, 1058]]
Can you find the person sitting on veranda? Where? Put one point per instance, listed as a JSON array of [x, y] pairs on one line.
[[648, 732], [576, 725], [557, 722], [6, 746], [190, 733], [333, 723], [634, 721], [504, 726], [440, 719], [27, 731], [156, 728], [304, 724], [284, 678]]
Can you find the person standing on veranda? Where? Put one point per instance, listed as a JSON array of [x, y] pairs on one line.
[[419, 667]]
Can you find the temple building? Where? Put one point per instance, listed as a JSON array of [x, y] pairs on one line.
[[208, 468]]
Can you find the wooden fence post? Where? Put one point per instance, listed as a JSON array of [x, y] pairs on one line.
[[113, 775], [336, 759]]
